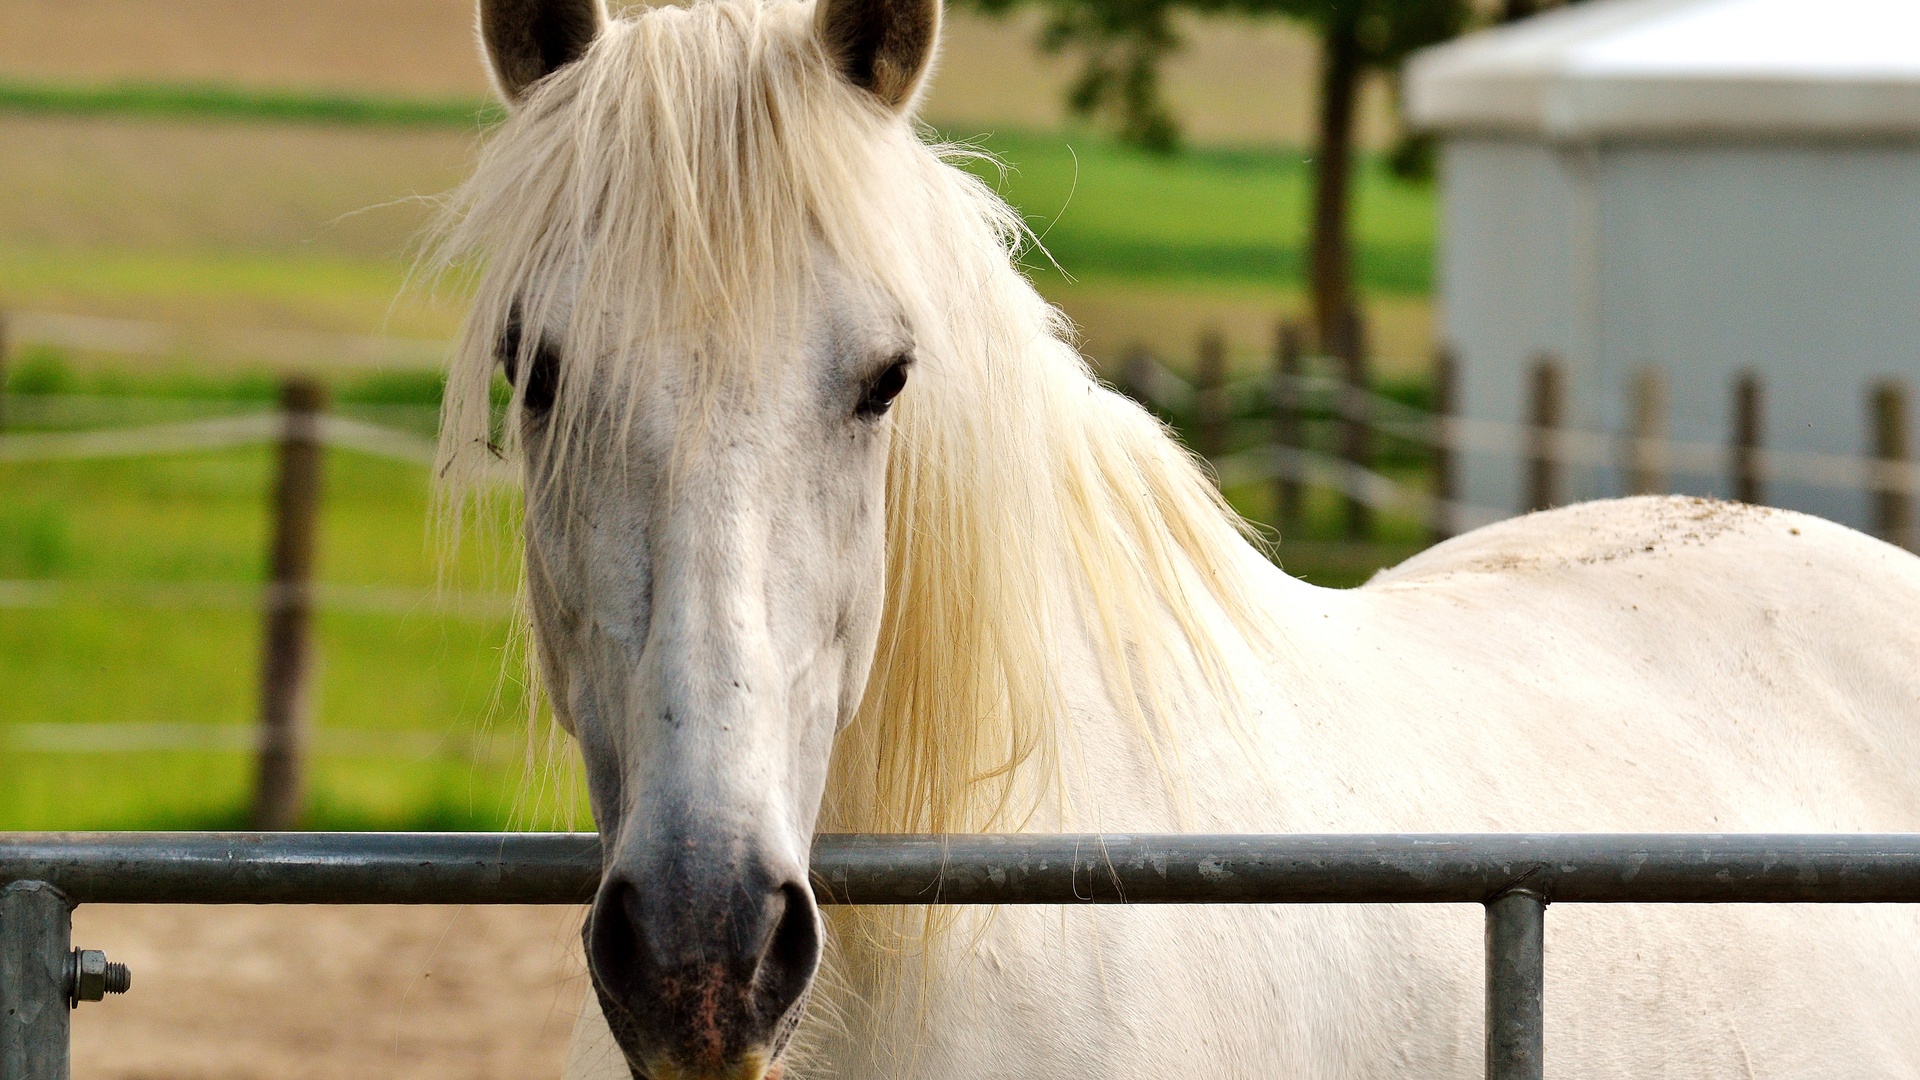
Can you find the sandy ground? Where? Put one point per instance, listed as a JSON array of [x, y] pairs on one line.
[[331, 993]]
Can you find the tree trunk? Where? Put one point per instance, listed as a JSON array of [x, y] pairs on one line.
[[1331, 270]]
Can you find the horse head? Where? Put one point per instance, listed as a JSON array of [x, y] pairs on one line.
[[703, 394]]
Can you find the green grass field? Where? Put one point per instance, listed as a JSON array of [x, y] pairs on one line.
[[221, 101], [125, 600], [1206, 215], [420, 718]]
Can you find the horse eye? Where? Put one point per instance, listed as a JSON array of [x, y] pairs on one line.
[[879, 396], [543, 374]]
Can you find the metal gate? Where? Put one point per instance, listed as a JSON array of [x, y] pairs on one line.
[[1515, 877]]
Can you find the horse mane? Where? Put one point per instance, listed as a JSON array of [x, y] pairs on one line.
[[662, 190]]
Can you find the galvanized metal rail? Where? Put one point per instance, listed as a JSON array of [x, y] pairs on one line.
[[1515, 876]]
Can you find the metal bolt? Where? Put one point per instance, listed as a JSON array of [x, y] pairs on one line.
[[91, 977]]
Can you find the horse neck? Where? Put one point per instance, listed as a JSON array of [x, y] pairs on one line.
[[1160, 622], [1237, 658]]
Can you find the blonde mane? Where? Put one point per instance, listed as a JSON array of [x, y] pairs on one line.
[[663, 193]]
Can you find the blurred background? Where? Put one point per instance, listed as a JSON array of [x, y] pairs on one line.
[[1395, 267], [203, 198]]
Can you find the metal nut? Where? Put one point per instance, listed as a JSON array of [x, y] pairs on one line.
[[91, 976]]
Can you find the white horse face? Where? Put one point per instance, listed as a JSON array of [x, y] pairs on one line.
[[707, 594], [706, 571]]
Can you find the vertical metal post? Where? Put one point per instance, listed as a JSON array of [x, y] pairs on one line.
[[287, 663], [1646, 450], [1287, 428], [1516, 983], [36, 947], [1446, 481], [1545, 413], [1749, 486]]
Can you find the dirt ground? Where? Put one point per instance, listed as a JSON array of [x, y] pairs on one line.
[[331, 993]]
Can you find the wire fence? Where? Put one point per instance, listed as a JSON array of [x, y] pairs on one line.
[[1298, 430], [220, 433], [83, 428], [1332, 432], [139, 337], [1292, 428]]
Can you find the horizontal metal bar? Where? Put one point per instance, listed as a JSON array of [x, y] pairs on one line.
[[307, 868], [1354, 868], [563, 868]]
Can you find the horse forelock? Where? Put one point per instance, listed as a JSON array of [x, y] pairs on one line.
[[659, 198]]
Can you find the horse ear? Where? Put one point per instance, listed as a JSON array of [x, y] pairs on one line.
[[884, 47], [527, 40]]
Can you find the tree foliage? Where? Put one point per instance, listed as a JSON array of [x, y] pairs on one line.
[[1121, 44]]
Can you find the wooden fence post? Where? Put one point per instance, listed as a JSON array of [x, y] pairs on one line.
[[1646, 448], [5, 353], [1893, 493], [1546, 412], [1213, 413], [1749, 486], [1356, 433], [1287, 428], [288, 653], [1446, 403], [1136, 376]]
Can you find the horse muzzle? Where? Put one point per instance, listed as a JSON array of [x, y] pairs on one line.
[[702, 972]]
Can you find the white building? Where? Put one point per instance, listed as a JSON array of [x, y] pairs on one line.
[[1697, 186]]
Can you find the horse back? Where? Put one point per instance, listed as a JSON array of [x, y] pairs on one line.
[[1710, 665]]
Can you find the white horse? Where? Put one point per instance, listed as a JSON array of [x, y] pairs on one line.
[[828, 528]]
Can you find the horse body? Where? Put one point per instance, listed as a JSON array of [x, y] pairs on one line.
[[1644, 665], [767, 601]]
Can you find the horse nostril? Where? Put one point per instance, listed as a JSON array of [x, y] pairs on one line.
[[702, 973], [792, 953], [616, 939]]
